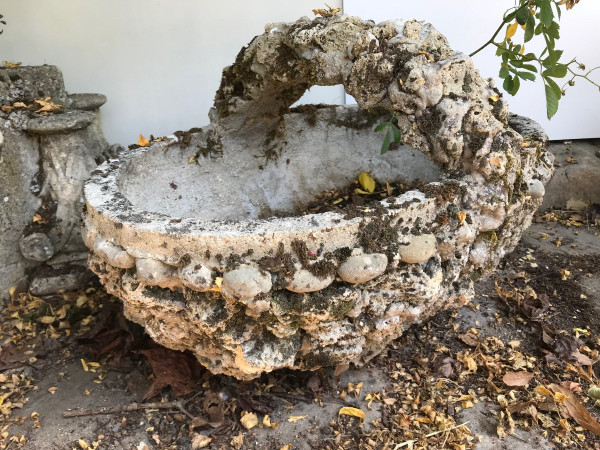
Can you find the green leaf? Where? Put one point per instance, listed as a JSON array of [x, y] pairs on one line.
[[381, 127], [539, 28], [510, 17], [551, 101], [522, 15], [555, 87], [508, 84], [529, 67], [552, 58], [556, 71], [516, 86], [529, 57], [553, 30], [527, 76], [546, 13], [530, 28], [397, 134], [516, 63], [386, 143], [503, 72]]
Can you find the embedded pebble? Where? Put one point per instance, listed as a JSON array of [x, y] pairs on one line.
[[419, 249], [480, 253], [535, 189], [304, 281], [113, 254], [196, 276], [156, 273], [362, 268], [36, 247], [246, 281], [465, 234]]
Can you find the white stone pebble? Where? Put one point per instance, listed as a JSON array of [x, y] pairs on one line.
[[113, 254], [196, 276], [362, 268], [419, 249], [304, 281], [535, 189], [245, 282], [156, 273]]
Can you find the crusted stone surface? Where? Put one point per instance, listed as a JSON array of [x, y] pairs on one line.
[[210, 257], [44, 161]]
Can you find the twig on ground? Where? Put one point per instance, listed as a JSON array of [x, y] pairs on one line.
[[131, 407]]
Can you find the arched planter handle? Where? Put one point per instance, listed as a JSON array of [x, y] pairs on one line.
[[444, 107]]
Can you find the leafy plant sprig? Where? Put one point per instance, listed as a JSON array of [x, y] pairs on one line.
[[537, 18], [392, 133]]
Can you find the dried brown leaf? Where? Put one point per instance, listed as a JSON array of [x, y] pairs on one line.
[[573, 408], [521, 378]]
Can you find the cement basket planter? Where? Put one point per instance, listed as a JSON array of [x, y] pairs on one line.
[[199, 233]]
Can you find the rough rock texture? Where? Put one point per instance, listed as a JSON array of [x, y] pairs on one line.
[[230, 273], [44, 160]]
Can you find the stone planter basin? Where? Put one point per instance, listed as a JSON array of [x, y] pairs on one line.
[[202, 234]]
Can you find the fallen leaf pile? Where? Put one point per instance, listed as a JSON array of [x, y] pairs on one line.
[[43, 106]]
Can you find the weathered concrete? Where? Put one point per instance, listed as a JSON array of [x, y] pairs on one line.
[[576, 181], [44, 160], [305, 291]]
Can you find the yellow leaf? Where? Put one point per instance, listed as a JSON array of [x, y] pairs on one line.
[[522, 50], [85, 366], [286, 447], [494, 98], [559, 397], [84, 445], [543, 390], [249, 420], [46, 105], [366, 182], [296, 418], [511, 30], [354, 412], [37, 218], [326, 12], [461, 217], [217, 286], [52, 390], [267, 421], [47, 319], [143, 142], [11, 65]]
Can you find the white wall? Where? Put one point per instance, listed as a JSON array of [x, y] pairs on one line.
[[158, 61], [469, 23]]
